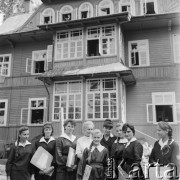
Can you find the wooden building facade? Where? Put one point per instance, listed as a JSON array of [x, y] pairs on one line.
[[98, 59]]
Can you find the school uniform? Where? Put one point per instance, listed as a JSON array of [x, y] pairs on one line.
[[18, 165], [63, 144], [132, 154], [96, 157], [49, 145], [165, 153]]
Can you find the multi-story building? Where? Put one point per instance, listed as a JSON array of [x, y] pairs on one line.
[[97, 59]]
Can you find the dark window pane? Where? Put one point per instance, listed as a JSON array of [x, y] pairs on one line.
[[164, 113]]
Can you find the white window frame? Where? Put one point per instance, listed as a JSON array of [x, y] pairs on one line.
[[66, 44], [31, 108], [49, 12], [129, 3], [67, 9], [86, 6], [144, 9], [140, 49], [2, 64], [176, 47], [67, 94], [163, 96], [5, 110], [105, 4], [101, 99], [100, 37]]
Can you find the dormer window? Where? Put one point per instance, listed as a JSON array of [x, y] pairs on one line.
[[148, 7], [66, 13], [48, 16], [126, 6], [105, 8], [85, 11]]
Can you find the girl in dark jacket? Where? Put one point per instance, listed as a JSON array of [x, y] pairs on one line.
[[18, 165]]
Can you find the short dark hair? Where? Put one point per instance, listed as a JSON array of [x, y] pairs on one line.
[[108, 123], [130, 126], [71, 121]]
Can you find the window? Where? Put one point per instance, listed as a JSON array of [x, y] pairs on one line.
[[5, 64], [163, 107], [37, 64], [138, 53], [105, 7], [125, 6], [69, 44], [102, 99], [3, 111], [48, 16], [148, 7], [85, 10], [66, 13], [176, 47], [101, 41], [69, 96]]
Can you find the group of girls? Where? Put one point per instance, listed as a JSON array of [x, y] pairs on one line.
[[125, 150]]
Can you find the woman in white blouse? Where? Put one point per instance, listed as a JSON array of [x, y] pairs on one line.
[[84, 142]]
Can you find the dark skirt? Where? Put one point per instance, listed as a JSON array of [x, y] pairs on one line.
[[20, 175], [66, 175], [44, 177]]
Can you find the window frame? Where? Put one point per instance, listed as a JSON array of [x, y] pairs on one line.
[[51, 15], [90, 10], [67, 94], [100, 38], [67, 9], [30, 109], [154, 104], [175, 43], [101, 99], [146, 41], [67, 42], [126, 3], [105, 4], [9, 64], [5, 111], [144, 9]]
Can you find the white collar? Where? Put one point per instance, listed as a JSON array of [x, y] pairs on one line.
[[123, 141], [99, 147], [43, 139], [162, 144], [129, 142], [67, 137], [23, 145]]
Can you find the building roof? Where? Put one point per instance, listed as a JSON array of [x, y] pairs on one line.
[[114, 68], [14, 23]]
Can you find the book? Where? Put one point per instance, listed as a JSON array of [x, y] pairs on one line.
[[87, 172], [71, 157]]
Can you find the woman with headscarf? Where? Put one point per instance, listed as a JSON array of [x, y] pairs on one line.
[[49, 144]]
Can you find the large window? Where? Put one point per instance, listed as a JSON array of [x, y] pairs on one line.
[[105, 7], [48, 16], [163, 108], [138, 53], [69, 44], [5, 64], [68, 95], [85, 10], [101, 41], [102, 99], [3, 111], [176, 47]]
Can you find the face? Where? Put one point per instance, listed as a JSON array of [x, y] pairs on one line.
[[129, 134], [47, 132], [119, 132], [88, 130], [69, 128], [24, 136], [107, 130], [161, 133], [96, 139]]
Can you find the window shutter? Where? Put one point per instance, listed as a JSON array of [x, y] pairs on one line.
[[97, 10], [24, 115], [176, 40], [29, 64], [57, 16], [143, 52], [178, 111], [49, 53], [59, 51], [149, 110]]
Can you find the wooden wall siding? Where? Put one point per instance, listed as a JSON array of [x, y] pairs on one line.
[[141, 94], [158, 72], [160, 45]]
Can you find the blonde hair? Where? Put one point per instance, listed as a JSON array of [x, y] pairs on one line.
[[97, 131], [86, 124]]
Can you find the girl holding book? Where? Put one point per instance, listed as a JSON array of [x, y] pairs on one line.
[[49, 144], [18, 165], [96, 157], [64, 144]]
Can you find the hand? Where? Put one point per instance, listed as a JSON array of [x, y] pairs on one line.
[[74, 167], [8, 177], [32, 177], [41, 172], [48, 170], [69, 169]]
